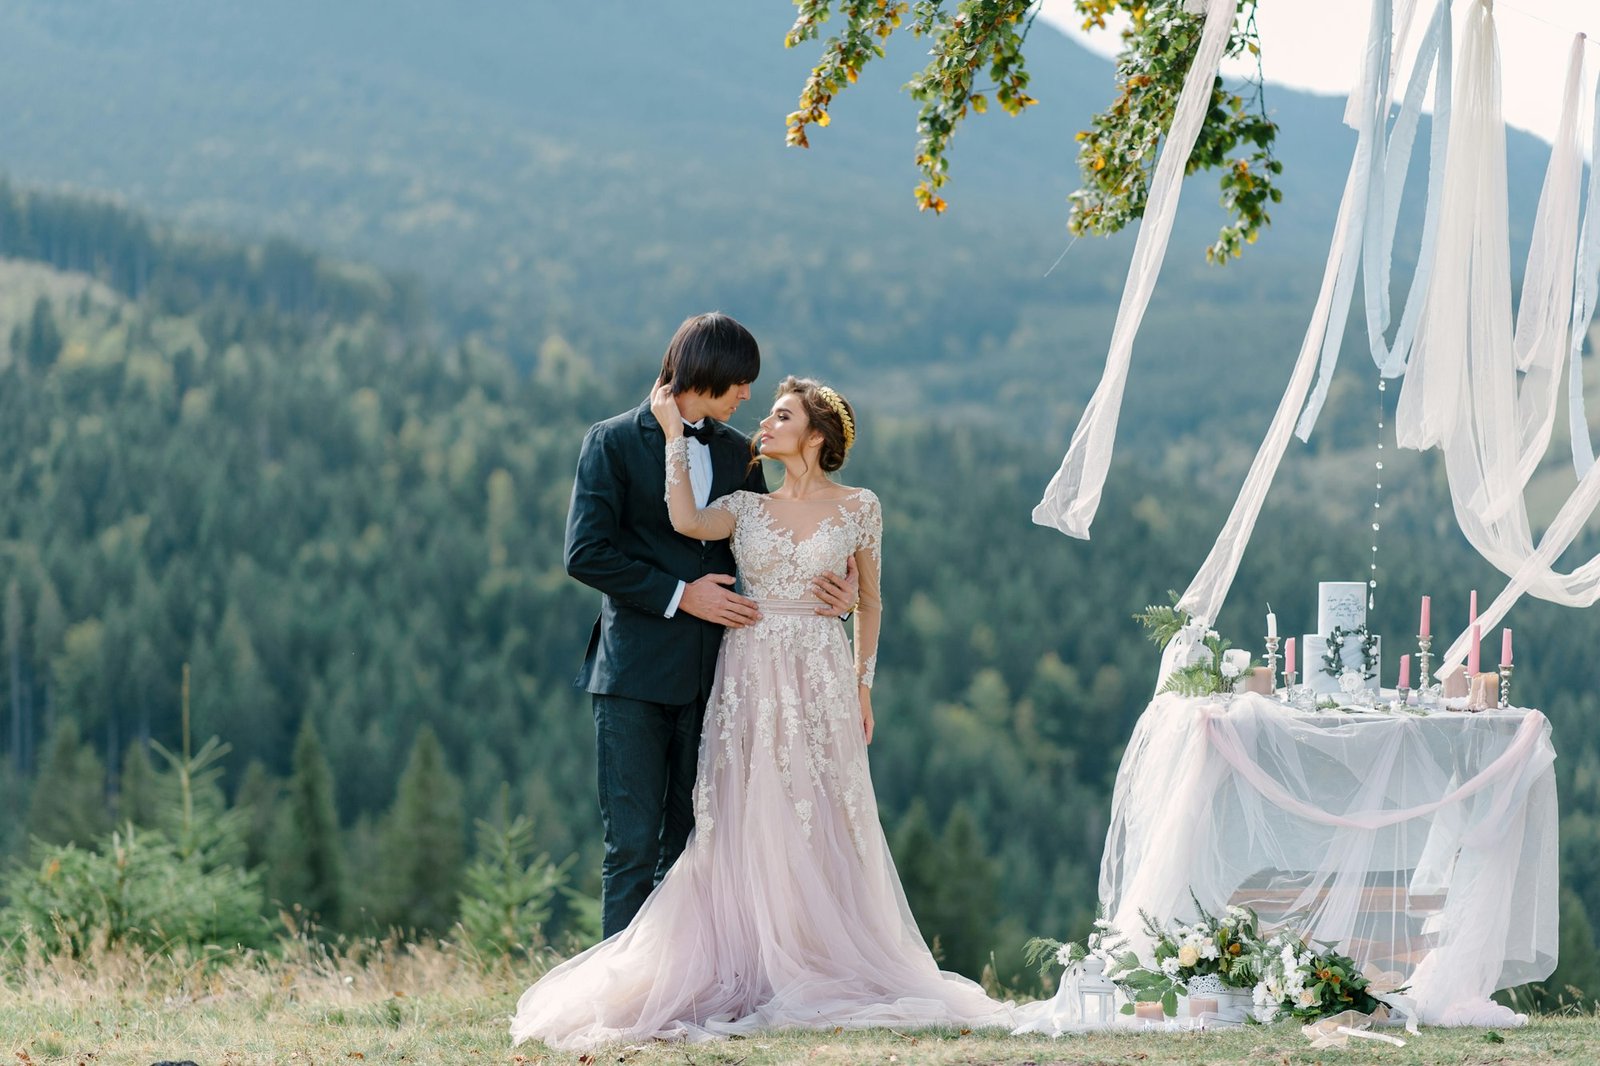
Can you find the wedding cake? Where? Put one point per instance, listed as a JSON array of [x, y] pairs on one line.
[[1342, 607]]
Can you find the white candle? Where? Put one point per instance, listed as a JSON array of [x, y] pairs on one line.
[[1505, 647], [1272, 622]]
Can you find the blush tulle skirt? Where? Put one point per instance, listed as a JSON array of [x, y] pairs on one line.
[[784, 910]]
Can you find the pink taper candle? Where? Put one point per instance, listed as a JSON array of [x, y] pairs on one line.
[[1427, 617], [1405, 671], [1472, 649], [1472, 610], [1288, 656], [1505, 647]]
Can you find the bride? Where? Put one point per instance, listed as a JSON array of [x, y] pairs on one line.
[[785, 909]]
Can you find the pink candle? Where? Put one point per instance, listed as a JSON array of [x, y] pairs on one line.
[[1472, 609], [1405, 671], [1288, 656], [1427, 617], [1505, 647], [1472, 649]]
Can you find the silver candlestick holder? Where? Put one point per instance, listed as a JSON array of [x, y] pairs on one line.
[[1272, 658], [1404, 695], [1505, 685], [1425, 659]]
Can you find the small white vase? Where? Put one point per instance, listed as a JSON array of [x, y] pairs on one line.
[[1235, 1004]]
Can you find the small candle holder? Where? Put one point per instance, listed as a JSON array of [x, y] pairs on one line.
[[1425, 658], [1403, 694], [1505, 686], [1288, 683], [1482, 691], [1272, 655]]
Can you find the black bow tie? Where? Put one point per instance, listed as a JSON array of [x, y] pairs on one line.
[[701, 433]]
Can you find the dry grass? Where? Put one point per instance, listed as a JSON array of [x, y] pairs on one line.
[[391, 1002]]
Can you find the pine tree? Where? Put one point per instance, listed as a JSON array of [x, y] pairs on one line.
[[69, 794], [139, 798], [307, 866], [44, 337], [969, 902], [951, 885], [916, 857], [423, 845], [13, 626], [258, 801]]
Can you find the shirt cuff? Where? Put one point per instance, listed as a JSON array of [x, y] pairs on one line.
[[672, 607]]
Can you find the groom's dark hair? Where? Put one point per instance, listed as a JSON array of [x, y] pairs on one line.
[[710, 353]]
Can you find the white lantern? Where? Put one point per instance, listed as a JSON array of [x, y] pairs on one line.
[[1097, 995]]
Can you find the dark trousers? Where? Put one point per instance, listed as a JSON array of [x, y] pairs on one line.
[[647, 754]]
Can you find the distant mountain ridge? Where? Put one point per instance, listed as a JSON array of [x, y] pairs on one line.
[[553, 169]]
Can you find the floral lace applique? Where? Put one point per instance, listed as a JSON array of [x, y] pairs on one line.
[[677, 464]]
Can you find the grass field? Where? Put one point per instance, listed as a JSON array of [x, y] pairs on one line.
[[390, 1003]]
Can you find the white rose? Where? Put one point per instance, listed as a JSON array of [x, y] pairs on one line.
[[1188, 955], [1307, 998], [1235, 661]]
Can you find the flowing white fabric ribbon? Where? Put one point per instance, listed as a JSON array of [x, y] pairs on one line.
[[1583, 305], [1073, 495]]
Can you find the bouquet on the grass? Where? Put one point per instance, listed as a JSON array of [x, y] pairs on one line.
[[1310, 981]]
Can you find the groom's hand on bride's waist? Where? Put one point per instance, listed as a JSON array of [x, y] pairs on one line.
[[838, 594], [712, 598]]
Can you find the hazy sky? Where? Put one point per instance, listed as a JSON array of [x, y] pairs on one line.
[[1317, 46]]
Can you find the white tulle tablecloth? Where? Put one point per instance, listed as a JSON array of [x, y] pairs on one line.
[[1422, 845]]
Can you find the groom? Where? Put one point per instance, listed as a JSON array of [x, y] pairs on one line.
[[667, 599]]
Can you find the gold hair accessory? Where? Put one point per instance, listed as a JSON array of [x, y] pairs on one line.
[[835, 401]]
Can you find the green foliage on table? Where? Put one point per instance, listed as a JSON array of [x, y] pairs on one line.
[[1207, 675], [1162, 622]]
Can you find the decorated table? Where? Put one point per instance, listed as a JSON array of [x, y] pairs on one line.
[[1424, 845]]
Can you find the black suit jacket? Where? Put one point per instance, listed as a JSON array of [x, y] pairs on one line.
[[621, 542]]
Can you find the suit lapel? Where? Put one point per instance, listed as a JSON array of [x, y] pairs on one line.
[[653, 440]]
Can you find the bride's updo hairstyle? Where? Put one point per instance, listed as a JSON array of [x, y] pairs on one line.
[[828, 413]]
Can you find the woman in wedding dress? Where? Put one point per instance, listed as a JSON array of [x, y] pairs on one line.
[[785, 909]]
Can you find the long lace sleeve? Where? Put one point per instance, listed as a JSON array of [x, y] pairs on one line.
[[710, 523], [869, 613]]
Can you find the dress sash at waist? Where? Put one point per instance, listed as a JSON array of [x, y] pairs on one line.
[[790, 607]]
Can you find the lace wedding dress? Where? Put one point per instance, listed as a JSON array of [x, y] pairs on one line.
[[785, 909]]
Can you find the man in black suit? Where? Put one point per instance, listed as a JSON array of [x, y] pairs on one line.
[[667, 599]]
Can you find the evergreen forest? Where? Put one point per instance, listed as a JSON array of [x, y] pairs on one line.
[[281, 553]]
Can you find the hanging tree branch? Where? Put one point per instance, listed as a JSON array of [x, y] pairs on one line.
[[1116, 155]]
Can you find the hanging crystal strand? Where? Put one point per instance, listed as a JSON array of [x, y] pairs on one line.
[[1377, 499]]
